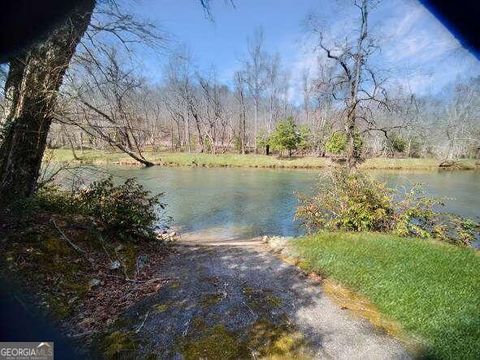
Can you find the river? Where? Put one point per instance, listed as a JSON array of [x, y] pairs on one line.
[[233, 203]]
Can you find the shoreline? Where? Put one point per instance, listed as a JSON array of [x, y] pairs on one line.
[[166, 159], [161, 287]]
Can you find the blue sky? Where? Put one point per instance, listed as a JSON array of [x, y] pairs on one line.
[[417, 50]]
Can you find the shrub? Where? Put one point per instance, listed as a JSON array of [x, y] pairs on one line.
[[52, 198], [396, 143], [357, 144], [336, 143], [208, 144], [237, 143], [285, 136], [356, 202], [345, 201], [128, 209], [305, 142], [415, 148]]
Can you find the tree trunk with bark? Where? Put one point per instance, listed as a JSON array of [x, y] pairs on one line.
[[31, 88]]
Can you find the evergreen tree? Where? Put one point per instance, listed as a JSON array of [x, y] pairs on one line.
[[285, 136]]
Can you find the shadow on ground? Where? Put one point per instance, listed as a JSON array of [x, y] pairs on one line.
[[238, 301]]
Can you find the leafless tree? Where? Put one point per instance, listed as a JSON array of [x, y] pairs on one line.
[[460, 121], [354, 81], [256, 75], [104, 103], [242, 109]]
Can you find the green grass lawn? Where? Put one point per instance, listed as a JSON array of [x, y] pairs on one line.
[[238, 160], [431, 289]]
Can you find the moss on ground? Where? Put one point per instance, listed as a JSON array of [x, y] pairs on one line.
[[160, 308], [276, 341], [211, 299], [44, 257], [128, 257], [198, 325], [119, 345], [263, 339], [261, 299], [216, 343], [41, 253], [175, 284]]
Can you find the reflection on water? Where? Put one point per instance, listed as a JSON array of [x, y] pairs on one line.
[[234, 203]]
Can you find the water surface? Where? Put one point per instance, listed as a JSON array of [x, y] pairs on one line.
[[234, 203]]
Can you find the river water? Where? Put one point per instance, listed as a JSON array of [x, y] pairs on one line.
[[234, 203]]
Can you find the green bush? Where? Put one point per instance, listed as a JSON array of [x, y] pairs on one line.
[[128, 210], [336, 143], [52, 198], [396, 143], [208, 144], [305, 142], [353, 201], [285, 136], [415, 148], [237, 143], [357, 144]]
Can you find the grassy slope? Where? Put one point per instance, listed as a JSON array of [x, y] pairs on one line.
[[431, 289], [237, 160]]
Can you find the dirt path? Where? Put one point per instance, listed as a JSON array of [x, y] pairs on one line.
[[236, 300]]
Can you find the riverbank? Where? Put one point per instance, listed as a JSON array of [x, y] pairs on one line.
[[96, 157], [82, 257], [431, 289], [235, 299], [64, 267]]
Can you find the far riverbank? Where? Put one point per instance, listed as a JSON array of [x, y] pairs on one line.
[[178, 159]]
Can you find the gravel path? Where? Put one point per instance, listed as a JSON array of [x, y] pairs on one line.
[[230, 300]]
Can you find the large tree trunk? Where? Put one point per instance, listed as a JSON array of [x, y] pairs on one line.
[[352, 152], [31, 88]]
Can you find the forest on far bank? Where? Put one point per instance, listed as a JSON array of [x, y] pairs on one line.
[[193, 112], [107, 102]]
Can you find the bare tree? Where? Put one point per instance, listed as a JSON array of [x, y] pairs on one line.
[[460, 121], [256, 71], [242, 109], [180, 96], [354, 82], [273, 86], [105, 104], [307, 94]]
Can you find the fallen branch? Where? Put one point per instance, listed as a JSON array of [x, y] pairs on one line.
[[187, 324], [85, 333], [143, 323], [76, 247], [249, 308]]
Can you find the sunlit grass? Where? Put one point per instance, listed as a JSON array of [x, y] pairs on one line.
[[412, 164], [238, 160], [192, 159], [431, 289]]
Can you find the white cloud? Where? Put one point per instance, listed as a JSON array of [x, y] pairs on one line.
[[417, 50]]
